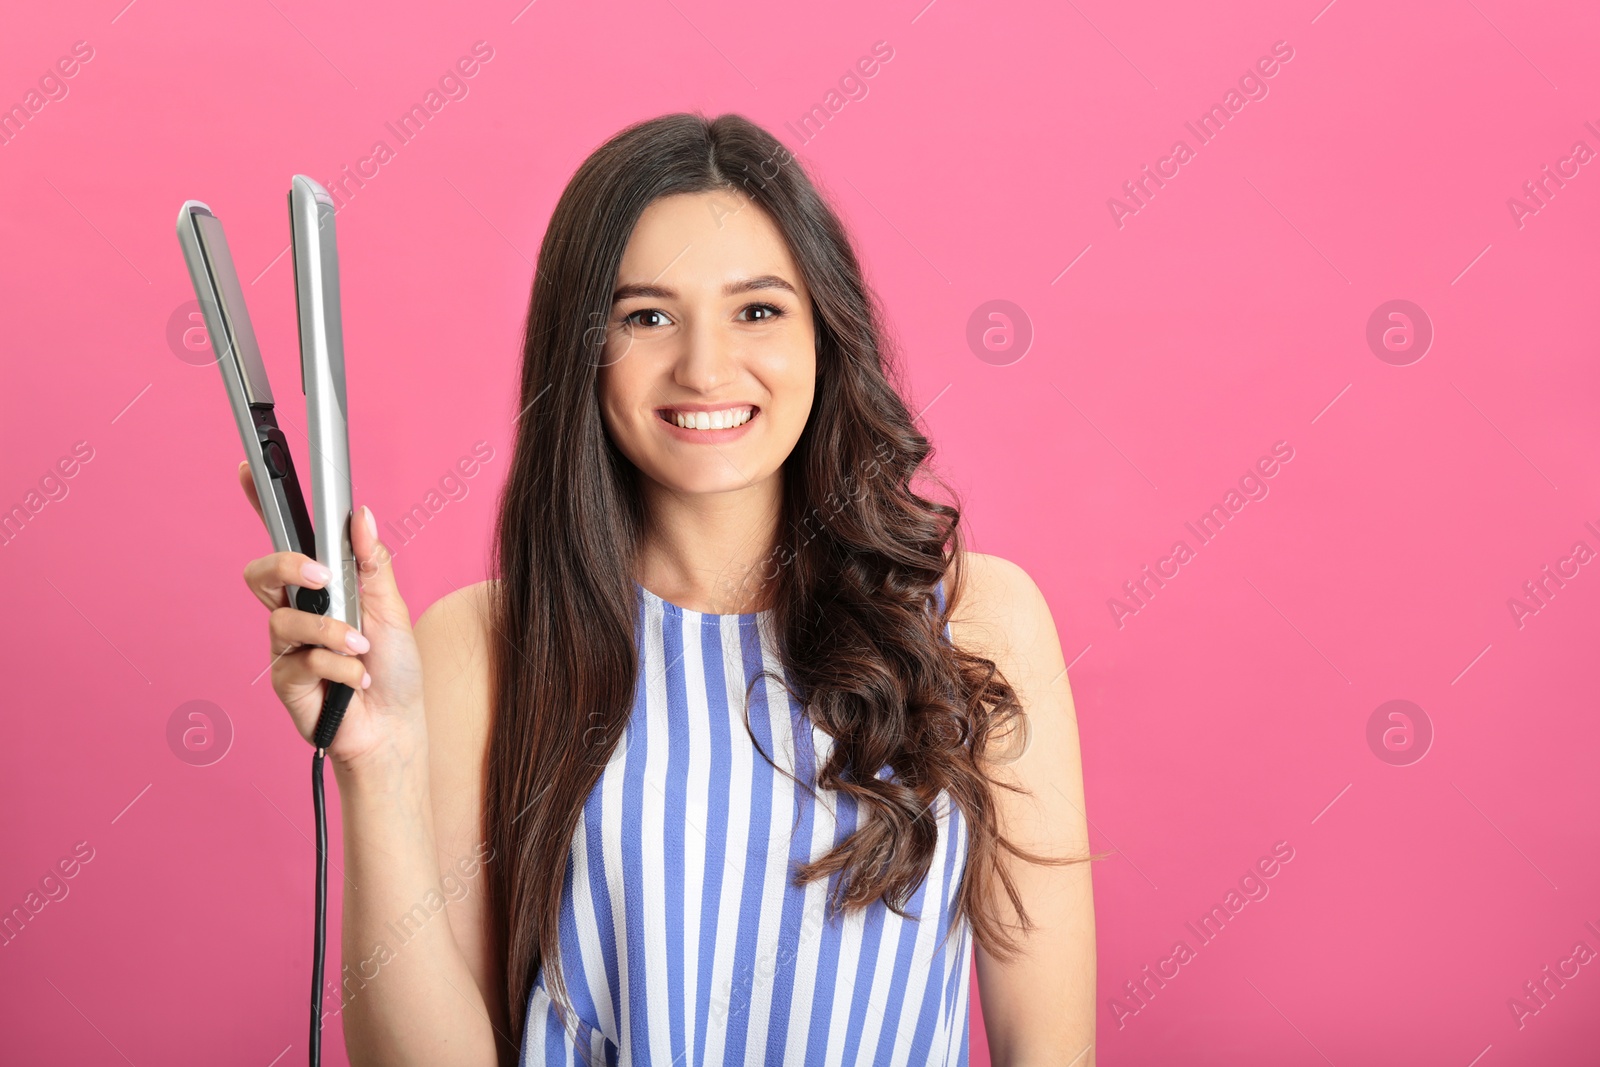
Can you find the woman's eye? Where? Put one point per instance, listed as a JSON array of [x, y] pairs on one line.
[[628, 319], [772, 309]]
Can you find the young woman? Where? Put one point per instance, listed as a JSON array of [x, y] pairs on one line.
[[741, 754]]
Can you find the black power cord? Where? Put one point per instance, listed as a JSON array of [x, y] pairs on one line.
[[334, 705]]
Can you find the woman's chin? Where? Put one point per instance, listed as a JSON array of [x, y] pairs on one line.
[[709, 478]]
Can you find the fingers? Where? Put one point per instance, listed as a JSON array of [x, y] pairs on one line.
[[291, 628], [303, 672], [380, 596], [268, 575], [318, 663], [249, 483], [305, 667]]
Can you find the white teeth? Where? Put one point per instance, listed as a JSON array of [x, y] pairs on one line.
[[726, 419]]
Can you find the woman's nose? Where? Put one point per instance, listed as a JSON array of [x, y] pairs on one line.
[[709, 357]]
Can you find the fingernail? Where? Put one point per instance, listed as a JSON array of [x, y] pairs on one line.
[[312, 571], [372, 523], [356, 642], [366, 679]]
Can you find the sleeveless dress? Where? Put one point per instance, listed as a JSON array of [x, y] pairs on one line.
[[683, 940]]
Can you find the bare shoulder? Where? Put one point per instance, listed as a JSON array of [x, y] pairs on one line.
[[452, 641], [1001, 614], [454, 628], [999, 609]]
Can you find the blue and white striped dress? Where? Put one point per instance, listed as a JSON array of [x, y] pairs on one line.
[[683, 940]]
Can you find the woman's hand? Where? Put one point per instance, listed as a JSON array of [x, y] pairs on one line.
[[380, 661]]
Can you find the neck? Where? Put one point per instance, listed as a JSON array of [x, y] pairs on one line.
[[711, 552]]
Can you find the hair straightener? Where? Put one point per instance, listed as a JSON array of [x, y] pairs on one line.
[[325, 534]]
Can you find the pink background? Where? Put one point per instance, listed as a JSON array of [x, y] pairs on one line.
[[1229, 313]]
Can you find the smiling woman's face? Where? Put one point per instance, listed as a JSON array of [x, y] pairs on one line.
[[710, 356]]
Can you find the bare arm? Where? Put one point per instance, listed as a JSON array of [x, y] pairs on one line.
[[416, 983], [452, 636], [1038, 1009], [409, 996]]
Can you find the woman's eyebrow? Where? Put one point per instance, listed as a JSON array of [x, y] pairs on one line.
[[662, 292]]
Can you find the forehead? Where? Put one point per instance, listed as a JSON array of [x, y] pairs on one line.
[[697, 243]]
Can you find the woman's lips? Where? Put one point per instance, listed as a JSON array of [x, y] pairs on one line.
[[706, 437]]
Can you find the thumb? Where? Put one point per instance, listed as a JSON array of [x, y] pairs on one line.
[[248, 481], [380, 596]]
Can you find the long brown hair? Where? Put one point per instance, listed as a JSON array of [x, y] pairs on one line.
[[852, 580]]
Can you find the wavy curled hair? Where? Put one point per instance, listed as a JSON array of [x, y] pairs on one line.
[[851, 581]]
